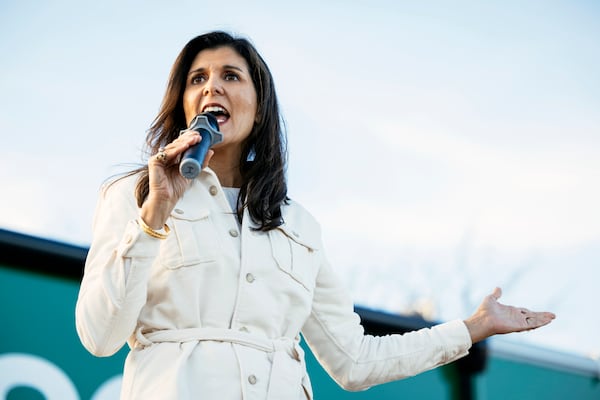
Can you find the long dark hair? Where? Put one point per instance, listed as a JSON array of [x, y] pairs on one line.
[[264, 154]]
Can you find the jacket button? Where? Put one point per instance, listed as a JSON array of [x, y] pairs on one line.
[[252, 379], [233, 233], [178, 211], [249, 277], [213, 190], [244, 329], [295, 234]]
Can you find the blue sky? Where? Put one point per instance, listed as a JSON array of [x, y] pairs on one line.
[[446, 148]]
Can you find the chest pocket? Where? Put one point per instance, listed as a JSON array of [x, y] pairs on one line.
[[192, 240], [295, 256]]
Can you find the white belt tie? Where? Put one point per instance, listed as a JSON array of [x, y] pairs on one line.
[[282, 348], [284, 344]]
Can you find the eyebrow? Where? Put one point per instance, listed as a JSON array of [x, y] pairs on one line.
[[226, 66]]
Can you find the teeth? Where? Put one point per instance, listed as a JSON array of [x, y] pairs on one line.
[[215, 109]]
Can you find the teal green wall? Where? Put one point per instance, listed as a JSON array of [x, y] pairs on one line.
[[37, 315], [38, 318], [510, 380]]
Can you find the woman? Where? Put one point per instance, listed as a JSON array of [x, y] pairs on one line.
[[210, 281]]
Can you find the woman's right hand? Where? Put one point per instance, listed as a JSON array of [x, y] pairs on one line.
[[166, 185]]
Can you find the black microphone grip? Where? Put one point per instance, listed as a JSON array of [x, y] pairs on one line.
[[208, 128]]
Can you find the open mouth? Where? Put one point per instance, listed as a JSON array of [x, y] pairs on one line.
[[220, 113]]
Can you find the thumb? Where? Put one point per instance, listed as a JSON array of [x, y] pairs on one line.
[[209, 155]]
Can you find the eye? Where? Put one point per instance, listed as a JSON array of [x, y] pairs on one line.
[[196, 79], [231, 76]]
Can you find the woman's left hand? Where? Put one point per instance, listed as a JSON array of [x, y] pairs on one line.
[[492, 317]]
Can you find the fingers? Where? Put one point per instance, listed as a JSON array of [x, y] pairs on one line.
[[161, 156], [535, 320], [507, 319], [169, 154], [164, 157]]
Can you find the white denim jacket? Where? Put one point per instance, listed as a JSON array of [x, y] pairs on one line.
[[215, 310]]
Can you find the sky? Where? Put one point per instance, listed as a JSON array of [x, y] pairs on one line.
[[445, 147]]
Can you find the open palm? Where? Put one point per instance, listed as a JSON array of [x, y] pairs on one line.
[[493, 317]]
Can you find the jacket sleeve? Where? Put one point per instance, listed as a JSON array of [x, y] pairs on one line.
[[357, 361], [117, 269]]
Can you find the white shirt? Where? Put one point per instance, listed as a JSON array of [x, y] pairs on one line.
[[232, 195]]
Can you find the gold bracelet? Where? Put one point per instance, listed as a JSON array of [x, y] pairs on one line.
[[152, 232]]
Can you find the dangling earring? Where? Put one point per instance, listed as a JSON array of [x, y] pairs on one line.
[[251, 154]]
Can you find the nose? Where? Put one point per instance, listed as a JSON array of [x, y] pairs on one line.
[[213, 86]]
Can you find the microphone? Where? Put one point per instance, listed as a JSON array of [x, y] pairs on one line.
[[207, 126]]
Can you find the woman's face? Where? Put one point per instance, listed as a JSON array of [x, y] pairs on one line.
[[219, 82]]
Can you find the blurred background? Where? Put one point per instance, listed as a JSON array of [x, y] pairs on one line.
[[445, 147]]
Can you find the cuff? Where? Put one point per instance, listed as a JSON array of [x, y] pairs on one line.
[[136, 243], [456, 338]]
